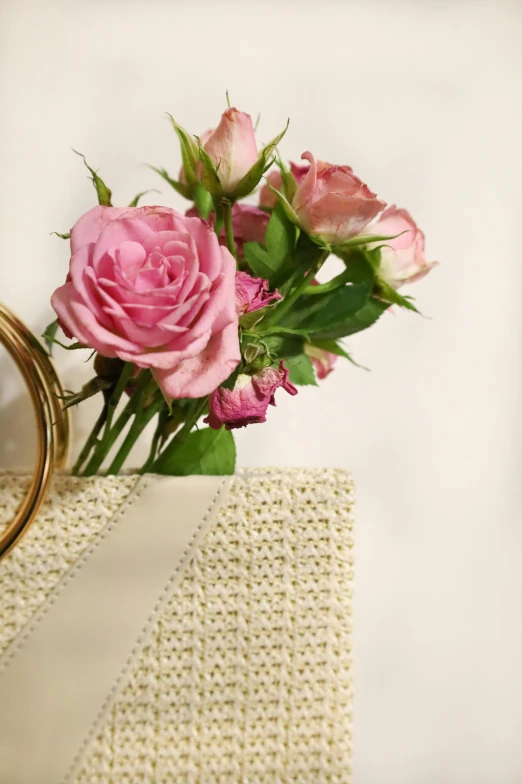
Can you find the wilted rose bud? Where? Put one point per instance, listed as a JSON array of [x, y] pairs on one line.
[[247, 402], [253, 293]]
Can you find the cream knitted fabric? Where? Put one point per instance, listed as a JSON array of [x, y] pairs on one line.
[[247, 678]]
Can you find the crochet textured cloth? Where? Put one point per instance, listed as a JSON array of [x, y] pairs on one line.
[[247, 678]]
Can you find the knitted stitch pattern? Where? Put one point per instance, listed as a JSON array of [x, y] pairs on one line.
[[247, 678]]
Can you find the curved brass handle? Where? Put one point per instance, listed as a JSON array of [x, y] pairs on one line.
[[52, 422]]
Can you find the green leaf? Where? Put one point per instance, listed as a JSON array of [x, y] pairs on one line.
[[318, 313], [279, 330], [70, 347], [301, 371], [189, 152], [49, 335], [360, 320], [249, 320], [258, 260], [135, 201], [204, 451], [334, 348], [360, 268], [279, 238], [103, 192], [387, 292], [66, 236], [179, 187], [306, 255], [282, 346], [285, 204]]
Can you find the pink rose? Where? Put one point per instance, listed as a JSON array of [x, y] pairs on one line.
[[267, 198], [323, 361], [331, 202], [249, 225], [155, 288], [231, 147], [247, 402], [402, 259], [253, 293]]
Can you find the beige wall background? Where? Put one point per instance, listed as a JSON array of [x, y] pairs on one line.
[[423, 99]]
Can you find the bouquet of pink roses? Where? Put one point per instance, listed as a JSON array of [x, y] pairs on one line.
[[209, 313]]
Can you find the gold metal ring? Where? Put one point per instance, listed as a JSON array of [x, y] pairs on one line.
[[52, 422]]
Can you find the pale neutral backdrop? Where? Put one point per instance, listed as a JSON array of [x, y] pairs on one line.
[[423, 99]]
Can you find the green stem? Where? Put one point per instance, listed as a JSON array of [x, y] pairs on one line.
[[105, 445], [288, 301], [192, 417], [117, 392], [335, 283], [141, 420], [92, 439], [218, 209], [229, 227], [147, 465]]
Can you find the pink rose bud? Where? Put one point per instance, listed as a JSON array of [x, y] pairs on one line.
[[402, 259], [253, 293], [232, 148], [267, 198], [155, 288], [322, 360], [331, 202], [247, 402]]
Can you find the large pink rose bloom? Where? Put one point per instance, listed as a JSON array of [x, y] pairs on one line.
[[155, 288], [331, 202], [402, 259]]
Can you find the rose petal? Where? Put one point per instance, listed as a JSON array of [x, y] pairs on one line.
[[203, 373]]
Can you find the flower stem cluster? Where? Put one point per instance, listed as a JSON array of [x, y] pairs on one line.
[[210, 312]]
